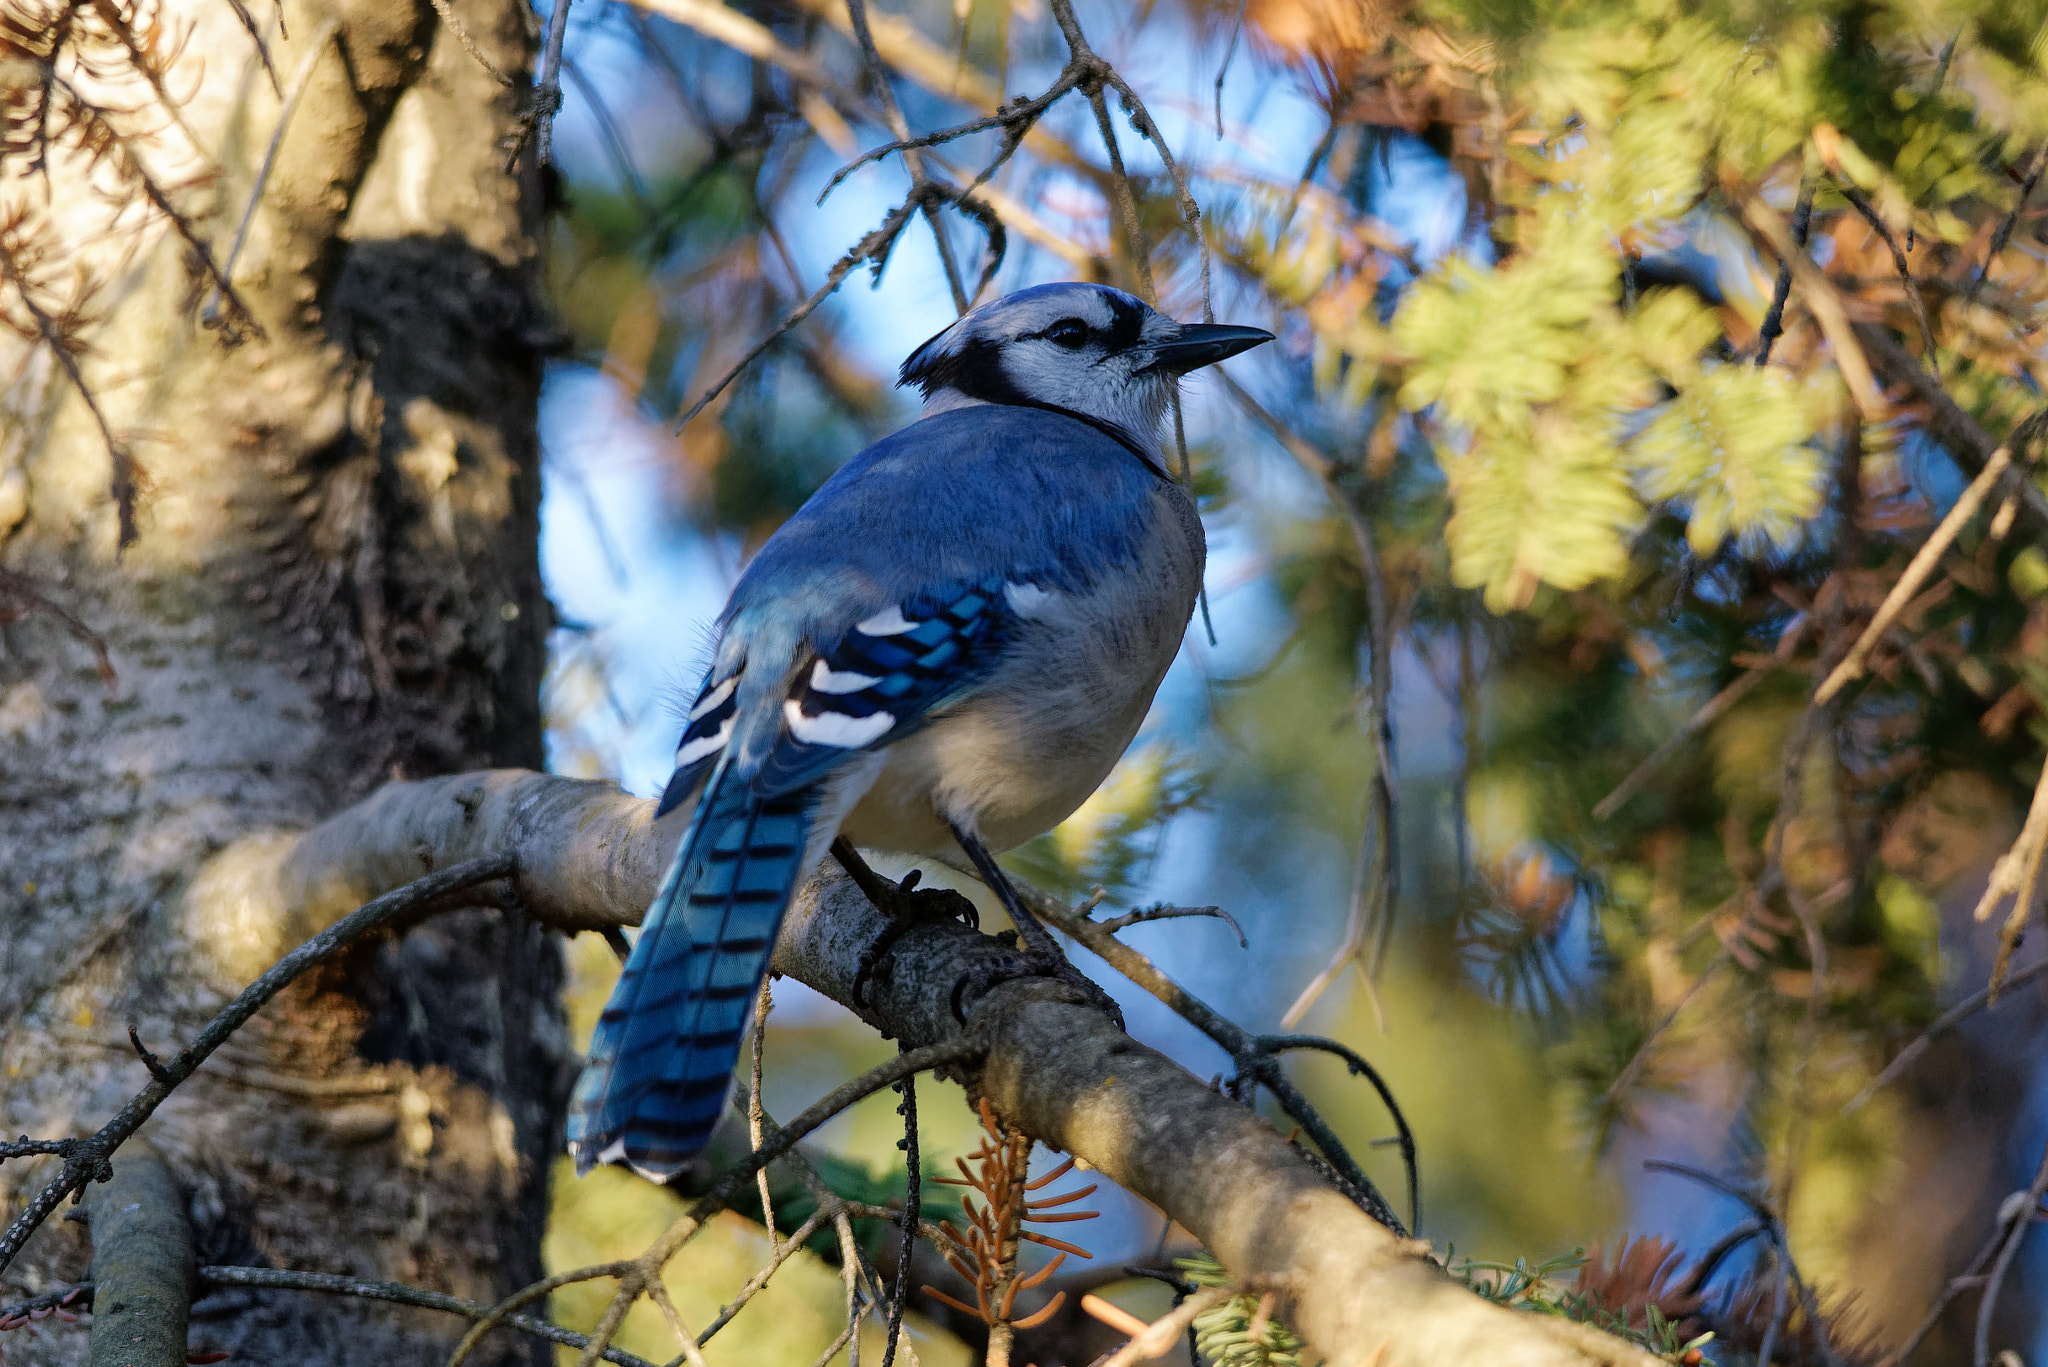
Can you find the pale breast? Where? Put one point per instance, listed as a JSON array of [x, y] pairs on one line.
[[1016, 758]]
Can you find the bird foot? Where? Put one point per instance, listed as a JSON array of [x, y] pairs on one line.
[[1031, 963], [907, 906]]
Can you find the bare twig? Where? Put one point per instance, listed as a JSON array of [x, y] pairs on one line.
[[1774, 1229], [1959, 433], [2020, 1211], [1376, 896], [1705, 716], [537, 124], [1229, 53], [2011, 221], [2015, 875], [1969, 1278], [1947, 1021], [126, 477], [1905, 270], [764, 1002], [210, 314], [1253, 1055], [1927, 558], [1163, 912], [20, 596], [400, 1294], [1822, 299], [89, 1161], [453, 23], [1774, 318], [1161, 1335], [922, 187], [1631, 1070], [913, 1197]]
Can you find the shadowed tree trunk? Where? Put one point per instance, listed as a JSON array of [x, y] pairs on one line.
[[333, 580]]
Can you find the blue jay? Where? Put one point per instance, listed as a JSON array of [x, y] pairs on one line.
[[949, 645]]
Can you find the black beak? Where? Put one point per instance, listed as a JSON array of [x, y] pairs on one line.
[[1200, 344]]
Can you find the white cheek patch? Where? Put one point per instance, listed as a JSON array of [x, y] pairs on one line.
[[704, 745], [835, 728], [825, 679], [889, 622], [715, 698]]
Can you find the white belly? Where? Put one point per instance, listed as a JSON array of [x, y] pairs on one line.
[[1019, 756]]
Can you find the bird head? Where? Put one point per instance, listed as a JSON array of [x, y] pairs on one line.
[[1098, 353]]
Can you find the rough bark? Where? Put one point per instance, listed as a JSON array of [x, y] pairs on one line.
[[335, 579], [589, 856]]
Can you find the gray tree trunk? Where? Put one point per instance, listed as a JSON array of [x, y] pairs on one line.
[[334, 580]]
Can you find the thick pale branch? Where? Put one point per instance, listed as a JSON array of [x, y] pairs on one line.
[[142, 1265], [589, 857]]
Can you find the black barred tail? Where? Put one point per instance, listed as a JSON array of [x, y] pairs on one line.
[[663, 1053]]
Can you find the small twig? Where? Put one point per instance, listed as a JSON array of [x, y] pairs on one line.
[[1959, 433], [1015, 119], [2015, 874], [400, 1294], [1706, 715], [89, 1161], [1375, 897], [256, 36], [19, 596], [1774, 1228], [1163, 912], [1822, 300], [1405, 1137], [764, 1002], [1928, 558], [1229, 53], [614, 141], [875, 247], [453, 22], [537, 124], [1947, 1021], [913, 1196], [25, 1147], [1243, 1046], [1160, 1335], [1774, 319], [1955, 1286], [2004, 233], [2021, 1214], [126, 478], [1626, 1078], [210, 313], [921, 182], [1903, 267]]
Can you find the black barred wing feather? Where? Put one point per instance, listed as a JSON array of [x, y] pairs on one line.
[[709, 728], [881, 681]]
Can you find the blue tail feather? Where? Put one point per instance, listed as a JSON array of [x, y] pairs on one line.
[[663, 1053]]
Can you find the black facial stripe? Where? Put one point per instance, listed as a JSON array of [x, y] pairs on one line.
[[1126, 322]]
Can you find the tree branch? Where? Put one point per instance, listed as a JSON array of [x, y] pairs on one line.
[[588, 857], [142, 1266]]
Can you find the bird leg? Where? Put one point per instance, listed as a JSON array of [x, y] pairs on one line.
[[905, 904], [1041, 954]]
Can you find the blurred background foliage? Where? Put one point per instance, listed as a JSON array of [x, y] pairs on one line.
[[1550, 436]]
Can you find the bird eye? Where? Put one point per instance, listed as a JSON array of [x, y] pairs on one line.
[[1070, 333]]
